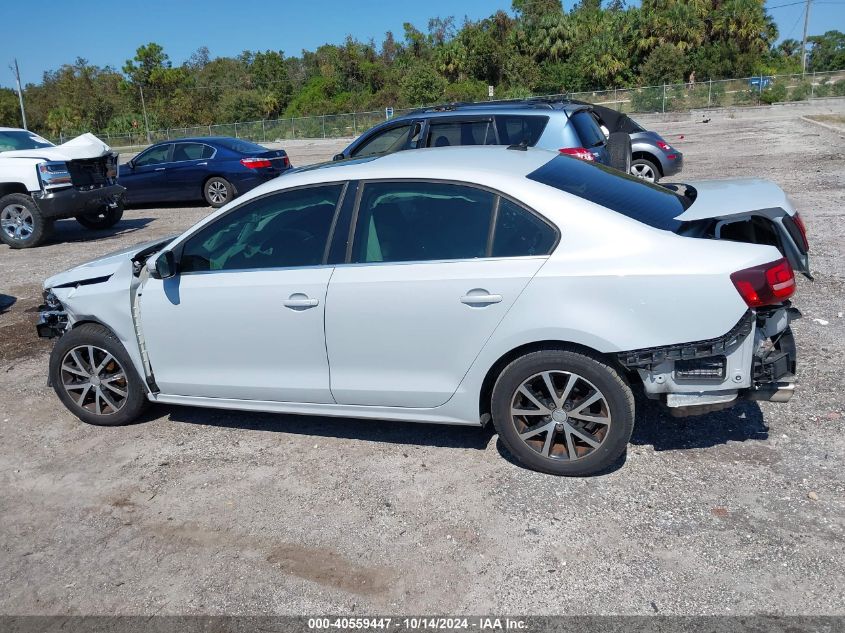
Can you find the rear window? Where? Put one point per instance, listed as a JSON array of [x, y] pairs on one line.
[[588, 130], [515, 129], [632, 197], [241, 146]]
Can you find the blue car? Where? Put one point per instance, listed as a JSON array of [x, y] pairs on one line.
[[216, 169]]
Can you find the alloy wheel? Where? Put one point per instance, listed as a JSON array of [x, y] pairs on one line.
[[94, 380], [217, 192], [17, 222], [560, 415], [641, 170]]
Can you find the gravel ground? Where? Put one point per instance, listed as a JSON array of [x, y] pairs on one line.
[[196, 511]]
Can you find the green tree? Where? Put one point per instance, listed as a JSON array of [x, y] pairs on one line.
[[827, 52]]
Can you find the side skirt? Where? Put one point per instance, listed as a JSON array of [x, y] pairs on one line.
[[398, 414]]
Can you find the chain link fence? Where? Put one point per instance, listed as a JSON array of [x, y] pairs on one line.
[[748, 91]]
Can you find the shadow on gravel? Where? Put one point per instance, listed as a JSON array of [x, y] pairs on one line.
[[655, 427], [440, 435], [72, 231], [6, 302]]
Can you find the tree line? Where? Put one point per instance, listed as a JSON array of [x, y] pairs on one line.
[[538, 48]]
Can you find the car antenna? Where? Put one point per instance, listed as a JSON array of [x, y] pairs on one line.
[[522, 146]]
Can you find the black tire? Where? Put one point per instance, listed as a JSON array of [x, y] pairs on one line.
[[104, 219], [217, 191], [619, 148], [33, 229], [645, 169], [592, 372], [104, 343]]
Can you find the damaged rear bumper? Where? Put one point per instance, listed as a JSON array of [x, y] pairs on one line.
[[755, 360]]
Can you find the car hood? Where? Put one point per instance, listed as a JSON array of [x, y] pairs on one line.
[[84, 146], [102, 268], [727, 198]]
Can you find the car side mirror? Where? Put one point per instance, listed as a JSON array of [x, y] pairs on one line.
[[165, 266], [131, 164], [338, 156]]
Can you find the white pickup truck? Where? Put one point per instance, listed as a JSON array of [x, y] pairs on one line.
[[41, 182]]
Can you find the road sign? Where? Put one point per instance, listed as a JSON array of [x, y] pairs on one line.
[[490, 91], [388, 113]]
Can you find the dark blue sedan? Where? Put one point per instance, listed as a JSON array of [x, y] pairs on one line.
[[216, 169]]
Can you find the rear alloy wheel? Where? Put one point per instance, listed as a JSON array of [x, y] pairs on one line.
[[645, 169], [563, 412], [21, 223], [94, 377], [105, 219], [218, 191]]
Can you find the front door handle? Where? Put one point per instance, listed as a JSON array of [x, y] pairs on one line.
[[480, 299], [159, 169], [198, 164], [299, 301]]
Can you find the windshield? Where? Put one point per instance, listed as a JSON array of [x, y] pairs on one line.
[[632, 197], [241, 146], [21, 139]]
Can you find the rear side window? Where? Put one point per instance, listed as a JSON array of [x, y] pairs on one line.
[[385, 142], [422, 221], [632, 197], [516, 129], [520, 233], [451, 133], [191, 151], [588, 130]]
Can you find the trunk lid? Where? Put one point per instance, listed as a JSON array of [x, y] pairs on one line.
[[744, 210]]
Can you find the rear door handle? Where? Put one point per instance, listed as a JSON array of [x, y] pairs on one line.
[[159, 169], [198, 164], [481, 299], [300, 301]]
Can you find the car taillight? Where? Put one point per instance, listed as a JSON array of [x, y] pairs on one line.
[[799, 222], [255, 163], [664, 146], [578, 152], [765, 285], [286, 161]]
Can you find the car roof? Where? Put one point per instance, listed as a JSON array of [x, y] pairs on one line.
[[539, 107], [490, 166], [13, 129], [204, 139]]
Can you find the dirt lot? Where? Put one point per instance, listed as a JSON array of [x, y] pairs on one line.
[[198, 511]]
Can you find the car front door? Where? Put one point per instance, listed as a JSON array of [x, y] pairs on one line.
[[146, 178], [243, 317], [188, 170], [432, 270]]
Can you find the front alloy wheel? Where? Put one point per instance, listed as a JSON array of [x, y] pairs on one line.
[[17, 222], [94, 380]]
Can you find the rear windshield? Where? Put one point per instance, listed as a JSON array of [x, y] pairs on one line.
[[588, 130], [514, 129], [239, 145], [15, 140], [632, 197]]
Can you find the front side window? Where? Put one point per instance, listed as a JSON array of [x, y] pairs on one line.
[[385, 142], [191, 151], [520, 233], [290, 228], [451, 133], [422, 221], [154, 156]]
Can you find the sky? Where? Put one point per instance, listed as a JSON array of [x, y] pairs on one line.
[[108, 32]]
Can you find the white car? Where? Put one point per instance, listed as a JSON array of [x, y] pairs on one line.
[[41, 183], [454, 286]]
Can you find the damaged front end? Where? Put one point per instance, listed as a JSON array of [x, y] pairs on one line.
[[755, 360], [52, 317]]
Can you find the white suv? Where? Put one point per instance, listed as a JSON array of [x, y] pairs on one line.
[[41, 183], [452, 286]]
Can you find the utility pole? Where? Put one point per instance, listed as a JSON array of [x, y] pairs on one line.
[[20, 93], [804, 41], [144, 108]]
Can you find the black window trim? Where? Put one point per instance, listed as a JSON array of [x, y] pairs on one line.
[[178, 249], [445, 181]]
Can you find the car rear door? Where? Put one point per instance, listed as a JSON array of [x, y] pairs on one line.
[[432, 270], [448, 131], [188, 170]]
